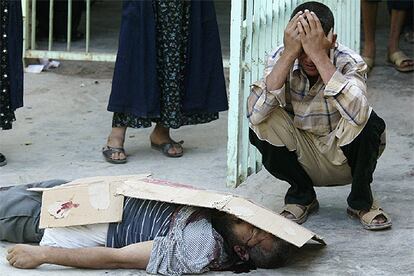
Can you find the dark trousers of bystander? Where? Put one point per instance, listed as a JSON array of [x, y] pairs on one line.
[[361, 154]]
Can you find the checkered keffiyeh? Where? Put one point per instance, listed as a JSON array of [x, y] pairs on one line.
[[192, 246], [319, 108]]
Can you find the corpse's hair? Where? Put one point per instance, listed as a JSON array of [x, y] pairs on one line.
[[277, 256], [224, 224], [322, 12]]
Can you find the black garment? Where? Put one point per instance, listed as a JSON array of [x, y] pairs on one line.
[[362, 156], [136, 89], [172, 19], [11, 66]]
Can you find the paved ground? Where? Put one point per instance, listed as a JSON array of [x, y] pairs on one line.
[[59, 133]]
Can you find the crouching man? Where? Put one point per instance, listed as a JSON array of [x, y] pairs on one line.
[[311, 120], [160, 237]]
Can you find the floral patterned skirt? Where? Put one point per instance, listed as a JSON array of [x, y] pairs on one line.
[[6, 112], [172, 23]]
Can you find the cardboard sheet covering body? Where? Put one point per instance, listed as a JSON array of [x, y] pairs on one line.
[[104, 202]]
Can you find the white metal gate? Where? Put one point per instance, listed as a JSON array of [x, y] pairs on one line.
[[256, 28]]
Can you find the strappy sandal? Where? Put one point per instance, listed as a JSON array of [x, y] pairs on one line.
[[397, 59], [165, 147], [3, 160], [368, 218], [301, 212], [107, 152]]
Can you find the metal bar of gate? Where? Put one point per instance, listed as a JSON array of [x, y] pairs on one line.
[[33, 27], [233, 157], [88, 25], [50, 25], [69, 33]]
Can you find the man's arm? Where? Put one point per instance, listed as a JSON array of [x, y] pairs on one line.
[[133, 256], [266, 94], [346, 90]]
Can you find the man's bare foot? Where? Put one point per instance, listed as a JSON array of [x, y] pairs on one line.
[[116, 140], [161, 135], [26, 256]]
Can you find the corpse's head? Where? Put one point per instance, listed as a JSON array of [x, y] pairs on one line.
[[327, 21], [247, 243]]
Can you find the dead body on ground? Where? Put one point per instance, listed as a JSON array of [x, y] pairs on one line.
[[160, 237]]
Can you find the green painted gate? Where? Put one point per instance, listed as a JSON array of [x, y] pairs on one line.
[[256, 28]]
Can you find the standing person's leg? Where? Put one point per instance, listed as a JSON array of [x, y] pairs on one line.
[[161, 140], [20, 212], [362, 155], [369, 18], [400, 61], [172, 26], [114, 151]]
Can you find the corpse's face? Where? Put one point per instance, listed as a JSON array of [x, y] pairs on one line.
[[251, 236]]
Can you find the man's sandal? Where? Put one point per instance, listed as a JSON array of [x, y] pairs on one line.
[[301, 212], [3, 160], [368, 218], [107, 152], [397, 59], [165, 148]]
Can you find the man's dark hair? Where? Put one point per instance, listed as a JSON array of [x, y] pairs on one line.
[[276, 257], [224, 224], [322, 12]]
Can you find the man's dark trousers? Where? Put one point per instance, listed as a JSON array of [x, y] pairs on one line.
[[362, 154]]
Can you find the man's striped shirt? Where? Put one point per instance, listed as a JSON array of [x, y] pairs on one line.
[[319, 108], [143, 220]]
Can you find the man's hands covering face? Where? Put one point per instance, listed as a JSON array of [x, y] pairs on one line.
[[312, 37], [291, 38]]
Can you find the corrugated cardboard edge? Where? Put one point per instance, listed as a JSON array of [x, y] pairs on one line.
[[238, 206]]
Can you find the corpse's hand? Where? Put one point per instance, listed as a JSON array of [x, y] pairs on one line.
[[25, 256], [291, 38], [314, 41]]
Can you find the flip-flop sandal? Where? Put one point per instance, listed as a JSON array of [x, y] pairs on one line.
[[3, 160], [397, 59], [370, 63], [107, 152], [301, 212], [165, 147], [368, 218]]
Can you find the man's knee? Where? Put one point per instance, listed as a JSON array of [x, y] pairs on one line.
[[375, 124]]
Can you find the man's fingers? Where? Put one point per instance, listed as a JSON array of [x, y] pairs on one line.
[[300, 29], [295, 18], [292, 22], [317, 22], [304, 24], [310, 19]]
